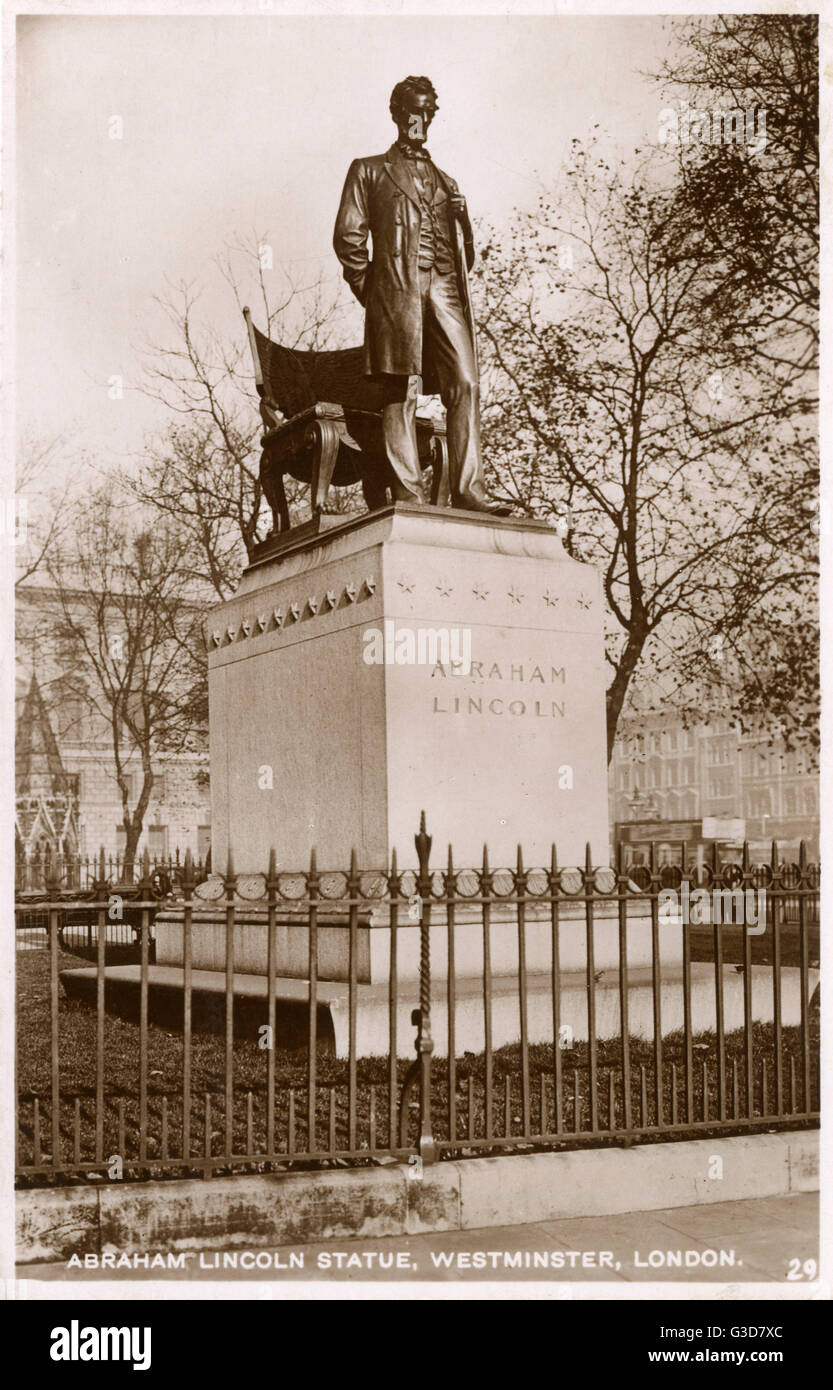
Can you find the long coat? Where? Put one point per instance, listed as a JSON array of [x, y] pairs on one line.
[[380, 200]]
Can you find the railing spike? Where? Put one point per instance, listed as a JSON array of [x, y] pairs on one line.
[[230, 863], [423, 842], [485, 859], [554, 860], [313, 861], [588, 857], [273, 862], [773, 855], [520, 860]]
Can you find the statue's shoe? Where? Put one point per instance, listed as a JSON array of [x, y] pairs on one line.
[[473, 503]]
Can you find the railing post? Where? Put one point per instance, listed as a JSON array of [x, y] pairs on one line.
[[425, 1042]]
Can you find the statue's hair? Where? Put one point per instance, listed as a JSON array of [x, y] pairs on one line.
[[411, 87]]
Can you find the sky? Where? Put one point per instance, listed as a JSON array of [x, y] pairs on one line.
[[231, 126]]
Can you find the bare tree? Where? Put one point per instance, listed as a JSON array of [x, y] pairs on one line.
[[41, 507], [129, 644], [604, 412], [204, 473]]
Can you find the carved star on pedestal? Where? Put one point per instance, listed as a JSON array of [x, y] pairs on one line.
[[247, 627], [295, 610], [277, 614], [514, 595], [550, 599], [351, 592], [480, 592], [231, 631], [406, 585], [444, 588], [584, 602], [330, 598], [217, 637], [262, 621], [312, 605], [370, 585]]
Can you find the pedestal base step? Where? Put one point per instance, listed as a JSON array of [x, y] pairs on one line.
[[166, 984]]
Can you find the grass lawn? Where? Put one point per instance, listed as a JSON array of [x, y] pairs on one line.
[[77, 1022]]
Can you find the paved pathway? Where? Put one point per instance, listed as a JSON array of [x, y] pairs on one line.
[[758, 1240]]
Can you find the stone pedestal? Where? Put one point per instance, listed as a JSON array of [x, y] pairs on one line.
[[411, 659]]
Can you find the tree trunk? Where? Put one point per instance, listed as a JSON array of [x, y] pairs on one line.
[[619, 686]]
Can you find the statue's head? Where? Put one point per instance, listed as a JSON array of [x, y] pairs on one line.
[[413, 105]]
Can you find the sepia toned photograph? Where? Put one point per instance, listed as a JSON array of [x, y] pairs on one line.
[[414, 524]]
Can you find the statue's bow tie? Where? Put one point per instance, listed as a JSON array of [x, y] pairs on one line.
[[414, 154]]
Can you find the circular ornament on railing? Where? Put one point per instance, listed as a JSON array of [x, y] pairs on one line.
[[292, 886], [572, 881], [790, 875], [670, 876], [604, 880], [537, 883], [468, 883], [761, 876], [503, 883], [438, 884], [251, 887], [731, 876], [812, 875], [332, 885], [408, 883], [639, 878], [210, 889], [373, 884], [701, 875]]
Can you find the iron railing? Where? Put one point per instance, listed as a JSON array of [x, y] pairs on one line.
[[76, 872], [552, 1006]]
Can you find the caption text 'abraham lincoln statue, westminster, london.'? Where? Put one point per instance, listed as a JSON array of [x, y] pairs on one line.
[[413, 291]]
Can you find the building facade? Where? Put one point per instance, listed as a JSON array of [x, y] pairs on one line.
[[178, 814], [662, 772]]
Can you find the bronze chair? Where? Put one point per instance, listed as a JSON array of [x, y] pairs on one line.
[[323, 425]]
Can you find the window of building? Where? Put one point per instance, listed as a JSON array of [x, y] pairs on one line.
[[809, 799], [203, 841], [760, 803], [70, 719], [790, 801], [158, 841]]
